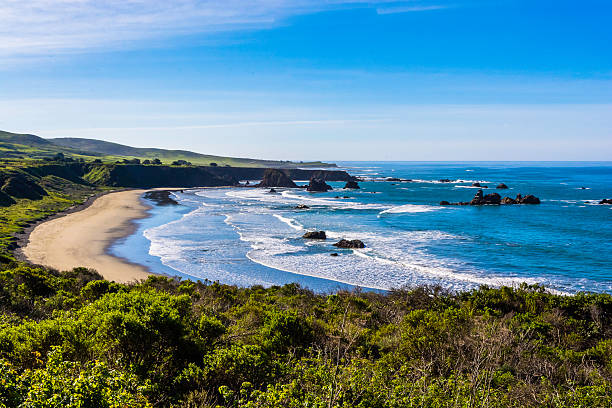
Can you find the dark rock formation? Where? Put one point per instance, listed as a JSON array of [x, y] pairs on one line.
[[476, 185], [318, 185], [444, 180], [272, 191], [606, 201], [529, 199], [489, 199], [502, 186], [302, 207], [20, 186], [334, 254], [276, 178], [161, 198], [393, 179], [355, 243], [315, 235], [351, 184], [495, 199]]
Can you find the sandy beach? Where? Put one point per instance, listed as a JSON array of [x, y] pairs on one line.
[[82, 238]]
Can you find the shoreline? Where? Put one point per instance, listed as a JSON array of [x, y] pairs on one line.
[[81, 236]]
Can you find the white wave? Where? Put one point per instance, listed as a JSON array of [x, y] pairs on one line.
[[290, 222], [329, 202], [484, 188], [410, 208]]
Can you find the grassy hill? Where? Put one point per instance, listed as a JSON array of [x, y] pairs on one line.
[[27, 146]]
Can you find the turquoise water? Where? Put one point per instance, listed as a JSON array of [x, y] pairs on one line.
[[247, 236]]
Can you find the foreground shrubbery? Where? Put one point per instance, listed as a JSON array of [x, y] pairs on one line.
[[74, 340]]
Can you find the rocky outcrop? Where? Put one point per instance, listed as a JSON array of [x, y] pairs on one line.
[[444, 180], [318, 185], [495, 199], [476, 184], [315, 235], [489, 199], [276, 178], [606, 201], [502, 186], [162, 198], [352, 185], [20, 186], [528, 199], [302, 207], [349, 244]]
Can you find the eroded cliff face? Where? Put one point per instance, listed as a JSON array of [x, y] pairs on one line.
[[32, 181], [170, 176]]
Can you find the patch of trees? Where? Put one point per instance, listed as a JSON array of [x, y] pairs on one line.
[[72, 340], [181, 163]]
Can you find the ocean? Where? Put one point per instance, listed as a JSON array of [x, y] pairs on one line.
[[248, 236]]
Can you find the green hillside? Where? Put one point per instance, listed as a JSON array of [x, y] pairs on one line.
[[27, 146], [116, 149]]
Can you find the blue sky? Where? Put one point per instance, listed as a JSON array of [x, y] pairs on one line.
[[312, 79]]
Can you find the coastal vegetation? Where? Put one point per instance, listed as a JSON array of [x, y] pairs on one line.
[[71, 339]]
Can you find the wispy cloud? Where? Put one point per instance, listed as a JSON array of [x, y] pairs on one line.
[[409, 9], [47, 27]]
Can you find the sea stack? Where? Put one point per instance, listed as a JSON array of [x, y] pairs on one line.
[[276, 178], [318, 185], [489, 199]]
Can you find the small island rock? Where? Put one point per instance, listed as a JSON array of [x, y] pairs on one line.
[[352, 185], [276, 178], [489, 199], [318, 185], [349, 244], [315, 235], [502, 186]]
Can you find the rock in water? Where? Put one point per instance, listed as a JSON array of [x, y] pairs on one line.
[[276, 178], [318, 185], [444, 180], [302, 207], [502, 186], [489, 199], [443, 202], [351, 184], [315, 235], [344, 243], [530, 199], [606, 201], [476, 185], [334, 254], [508, 200]]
